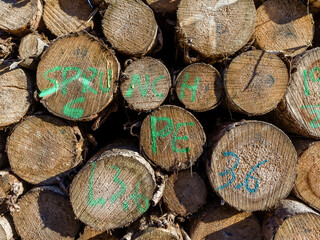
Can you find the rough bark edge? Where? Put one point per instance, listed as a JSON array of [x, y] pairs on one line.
[[105, 48], [285, 210]]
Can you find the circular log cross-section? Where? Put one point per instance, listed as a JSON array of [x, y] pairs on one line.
[[15, 95], [224, 222], [113, 189], [19, 17], [158, 233], [172, 138], [42, 148], [185, 192], [284, 26], [30, 49], [255, 82], [77, 77], [130, 27], [292, 220], [164, 6], [245, 168], [65, 16], [199, 87], [145, 84], [215, 28], [308, 173], [45, 213], [299, 111]]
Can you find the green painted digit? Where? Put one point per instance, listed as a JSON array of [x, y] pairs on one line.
[[94, 202], [136, 197], [73, 112]]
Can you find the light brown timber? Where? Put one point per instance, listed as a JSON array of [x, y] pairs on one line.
[[65, 16], [225, 222], [42, 148], [113, 189], [199, 87], [252, 165], [7, 230], [172, 138], [93, 234], [298, 112], [255, 82], [215, 29], [15, 95], [171, 233], [130, 26], [20, 17], [185, 193], [77, 77], [30, 49], [145, 84], [307, 183], [284, 26], [45, 213], [292, 220]]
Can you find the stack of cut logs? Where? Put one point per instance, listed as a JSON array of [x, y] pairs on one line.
[[159, 119]]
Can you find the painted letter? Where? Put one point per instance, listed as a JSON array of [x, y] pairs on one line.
[[55, 83], [176, 138], [192, 88], [162, 133]]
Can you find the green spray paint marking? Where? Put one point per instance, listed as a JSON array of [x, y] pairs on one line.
[[66, 80], [86, 81], [107, 89], [55, 83], [313, 123], [144, 91], [136, 197], [162, 133], [305, 82], [153, 86], [94, 202], [116, 179], [73, 112], [193, 88], [176, 138]]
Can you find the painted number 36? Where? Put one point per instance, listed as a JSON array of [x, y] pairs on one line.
[[230, 171]]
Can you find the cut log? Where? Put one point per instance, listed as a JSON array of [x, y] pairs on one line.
[[216, 28], [93, 234], [284, 26], [299, 110], [113, 189], [7, 230], [164, 6], [45, 213], [159, 234], [224, 222], [199, 87], [3, 155], [308, 169], [314, 6], [15, 95], [30, 49], [292, 220], [252, 165], [42, 148], [64, 16], [172, 138], [145, 84], [185, 193], [20, 17], [10, 189], [77, 77], [130, 27], [255, 82]]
